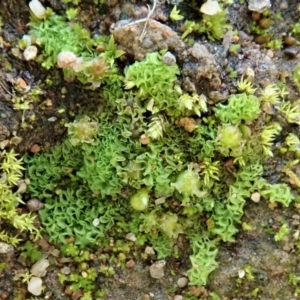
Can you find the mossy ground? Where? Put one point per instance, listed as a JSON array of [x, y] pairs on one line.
[[271, 262]]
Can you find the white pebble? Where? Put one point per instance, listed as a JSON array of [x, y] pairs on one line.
[[66, 59], [259, 5], [182, 282], [157, 269], [210, 7], [149, 250], [37, 8], [39, 269], [255, 197], [131, 237], [35, 286], [30, 53], [5, 248]]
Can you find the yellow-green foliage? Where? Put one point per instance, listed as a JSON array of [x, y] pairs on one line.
[[109, 183], [11, 173]]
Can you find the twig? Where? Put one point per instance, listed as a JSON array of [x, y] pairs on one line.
[[147, 20], [2, 85]]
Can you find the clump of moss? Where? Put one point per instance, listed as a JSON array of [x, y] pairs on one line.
[[56, 35], [11, 172], [140, 173]]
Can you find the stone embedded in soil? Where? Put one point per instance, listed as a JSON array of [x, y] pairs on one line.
[[39, 269], [149, 250], [182, 282], [34, 205], [130, 264], [30, 53], [255, 197], [131, 236], [5, 248], [157, 269], [259, 5], [158, 37], [35, 286], [200, 65]]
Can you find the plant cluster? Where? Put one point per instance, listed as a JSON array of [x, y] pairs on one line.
[[261, 26], [111, 183], [11, 172], [214, 26], [135, 170], [59, 37]]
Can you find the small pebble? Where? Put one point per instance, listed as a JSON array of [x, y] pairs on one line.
[[270, 53], [284, 5], [255, 197], [22, 186], [55, 252], [39, 269], [66, 59], [65, 270], [157, 269], [35, 286], [149, 250], [130, 264], [250, 74], [34, 205], [182, 282], [144, 140], [6, 248], [21, 83], [259, 5], [35, 148], [241, 273], [169, 59], [131, 237], [177, 297], [37, 8], [30, 53]]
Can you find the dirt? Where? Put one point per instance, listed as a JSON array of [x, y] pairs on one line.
[[267, 263]]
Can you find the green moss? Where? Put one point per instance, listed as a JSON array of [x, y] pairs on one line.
[[240, 107], [105, 182], [11, 172]]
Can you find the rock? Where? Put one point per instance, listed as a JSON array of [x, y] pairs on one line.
[[35, 286], [169, 59], [149, 250], [200, 65], [39, 268], [189, 124], [255, 197], [259, 5], [65, 270], [182, 282], [5, 248], [131, 237], [157, 37], [210, 7], [66, 59], [34, 205], [37, 8], [130, 264], [30, 53], [157, 269]]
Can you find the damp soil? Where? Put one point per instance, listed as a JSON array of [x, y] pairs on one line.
[[268, 263]]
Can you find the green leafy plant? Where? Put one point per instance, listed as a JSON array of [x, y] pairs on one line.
[[11, 173], [135, 171], [214, 26], [175, 14], [31, 252]]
